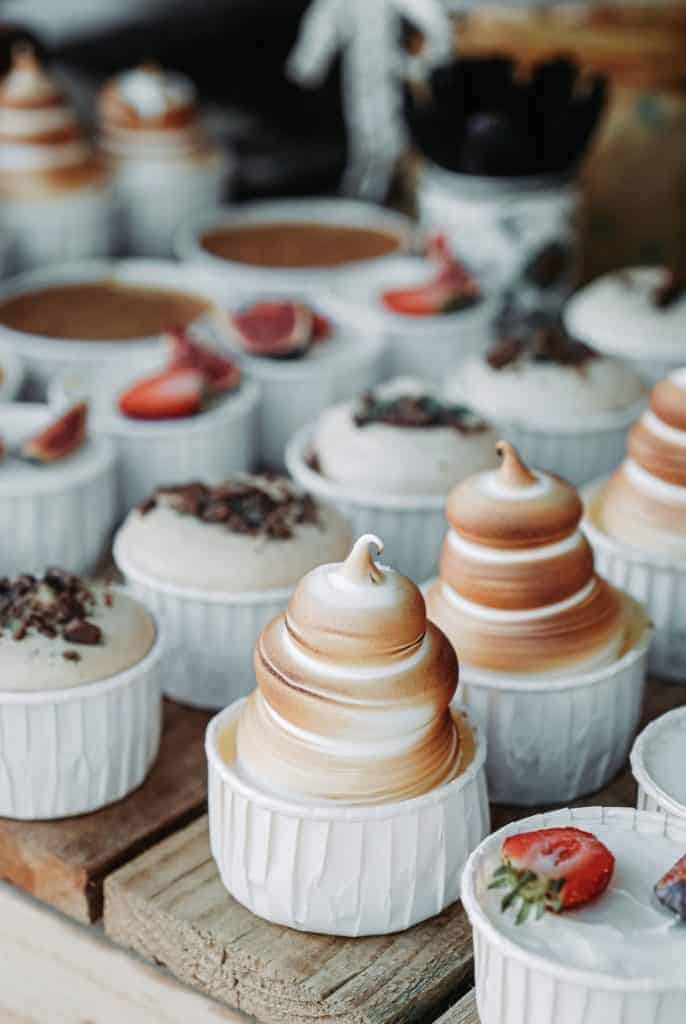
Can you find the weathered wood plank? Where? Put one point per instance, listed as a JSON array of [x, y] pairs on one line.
[[463, 1012]]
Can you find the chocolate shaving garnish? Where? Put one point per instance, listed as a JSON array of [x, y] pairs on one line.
[[71, 656], [58, 605], [257, 506], [418, 411], [671, 289], [538, 339]]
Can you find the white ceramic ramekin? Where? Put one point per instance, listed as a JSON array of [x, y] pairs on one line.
[[151, 453], [64, 519], [412, 525], [651, 797], [551, 741], [341, 870], [657, 581], [11, 377], [211, 634], [67, 752], [514, 986], [43, 357], [345, 212]]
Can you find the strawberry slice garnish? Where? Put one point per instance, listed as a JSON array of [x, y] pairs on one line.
[[452, 288], [552, 869], [671, 889], [168, 395], [222, 373]]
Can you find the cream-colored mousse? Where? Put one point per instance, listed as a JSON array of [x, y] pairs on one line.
[[398, 459], [180, 548]]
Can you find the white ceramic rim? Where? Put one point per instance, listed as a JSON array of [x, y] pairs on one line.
[[599, 539], [338, 812], [100, 686], [317, 209], [640, 770], [312, 481], [153, 273], [187, 593], [534, 961]]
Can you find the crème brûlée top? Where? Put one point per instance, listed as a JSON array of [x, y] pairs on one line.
[[517, 591], [353, 692]]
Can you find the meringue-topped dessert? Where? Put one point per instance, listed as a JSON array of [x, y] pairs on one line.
[[354, 692]]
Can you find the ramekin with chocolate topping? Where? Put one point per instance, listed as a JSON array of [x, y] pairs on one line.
[[216, 563], [566, 406], [80, 694], [389, 458]]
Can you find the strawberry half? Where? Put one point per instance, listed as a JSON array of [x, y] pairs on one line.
[[552, 869], [275, 329], [671, 889], [222, 373], [168, 395], [452, 288]]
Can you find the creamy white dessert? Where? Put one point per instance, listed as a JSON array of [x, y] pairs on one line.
[[250, 534], [401, 439]]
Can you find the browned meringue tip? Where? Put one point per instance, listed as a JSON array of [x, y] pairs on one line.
[[23, 56], [359, 566], [513, 470]]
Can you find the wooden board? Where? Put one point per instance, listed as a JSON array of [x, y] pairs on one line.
[[64, 862]]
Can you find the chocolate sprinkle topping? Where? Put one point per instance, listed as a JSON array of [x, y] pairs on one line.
[[539, 339], [58, 605], [671, 289], [416, 411], [254, 505]]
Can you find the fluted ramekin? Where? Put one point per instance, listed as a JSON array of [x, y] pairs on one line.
[[658, 581], [73, 751], [651, 796], [412, 525], [211, 634], [554, 740], [341, 870], [515, 986], [64, 518]]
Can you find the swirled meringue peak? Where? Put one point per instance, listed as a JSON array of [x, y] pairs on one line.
[[644, 503], [517, 591], [354, 691]]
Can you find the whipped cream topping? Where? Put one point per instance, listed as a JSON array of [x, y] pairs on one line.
[[664, 755], [625, 933], [517, 591], [354, 689], [643, 504]]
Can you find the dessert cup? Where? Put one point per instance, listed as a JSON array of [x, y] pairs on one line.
[[55, 514], [515, 983], [75, 749], [212, 629], [11, 377], [324, 267], [45, 355], [658, 763]]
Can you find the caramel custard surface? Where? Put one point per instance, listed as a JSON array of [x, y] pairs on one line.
[[293, 244], [100, 311]]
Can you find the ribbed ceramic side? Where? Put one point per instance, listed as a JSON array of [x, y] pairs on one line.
[[552, 743], [515, 988], [344, 871], [11, 377], [69, 526], [75, 751], [650, 796], [433, 355]]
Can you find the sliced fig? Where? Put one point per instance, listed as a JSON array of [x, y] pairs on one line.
[[278, 330], [222, 373], [61, 438], [321, 328]]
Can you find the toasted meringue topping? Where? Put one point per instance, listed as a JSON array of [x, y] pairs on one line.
[[27, 84]]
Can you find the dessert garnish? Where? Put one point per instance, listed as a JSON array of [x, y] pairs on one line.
[[254, 505], [62, 438], [552, 869], [671, 889], [671, 289], [222, 373], [540, 339], [547, 266], [452, 287], [278, 329], [416, 411], [58, 605]]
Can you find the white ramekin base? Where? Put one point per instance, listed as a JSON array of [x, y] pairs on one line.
[[412, 527], [517, 987], [342, 870], [658, 583], [68, 752], [650, 796]]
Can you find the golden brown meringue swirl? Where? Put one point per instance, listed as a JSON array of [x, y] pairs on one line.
[[354, 688], [517, 591]]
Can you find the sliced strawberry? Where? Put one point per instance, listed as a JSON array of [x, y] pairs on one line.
[[426, 300], [274, 329], [61, 438], [164, 396], [222, 373], [552, 869], [438, 250], [671, 889]]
